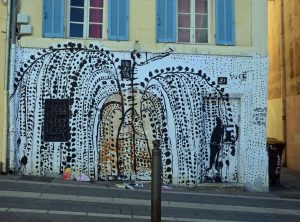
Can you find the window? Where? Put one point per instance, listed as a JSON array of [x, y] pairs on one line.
[[56, 120], [192, 20], [188, 21], [85, 18]]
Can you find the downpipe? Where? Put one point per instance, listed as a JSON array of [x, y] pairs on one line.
[[283, 80], [5, 92], [11, 29]]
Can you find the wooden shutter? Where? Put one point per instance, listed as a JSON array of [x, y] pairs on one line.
[[225, 31], [53, 18], [118, 19], [166, 20]]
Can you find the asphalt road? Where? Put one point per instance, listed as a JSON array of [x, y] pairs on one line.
[[58, 200]]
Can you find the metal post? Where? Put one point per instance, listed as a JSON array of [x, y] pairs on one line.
[[156, 183], [10, 23]]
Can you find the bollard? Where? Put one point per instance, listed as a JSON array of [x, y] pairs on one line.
[[156, 183]]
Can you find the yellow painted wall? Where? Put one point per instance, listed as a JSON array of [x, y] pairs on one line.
[[259, 25], [142, 28], [292, 69], [274, 50], [274, 115], [3, 10], [274, 120]]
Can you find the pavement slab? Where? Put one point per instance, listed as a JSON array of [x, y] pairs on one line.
[[31, 199]]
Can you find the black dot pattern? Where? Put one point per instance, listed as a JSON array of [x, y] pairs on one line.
[[172, 98]]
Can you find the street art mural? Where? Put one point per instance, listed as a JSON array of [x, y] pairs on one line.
[[99, 111]]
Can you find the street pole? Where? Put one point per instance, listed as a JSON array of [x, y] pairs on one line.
[[156, 183], [11, 25]]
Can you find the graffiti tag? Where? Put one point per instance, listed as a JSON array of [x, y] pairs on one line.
[[241, 77], [259, 117], [277, 171]]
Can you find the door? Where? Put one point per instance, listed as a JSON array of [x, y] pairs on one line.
[[217, 160]]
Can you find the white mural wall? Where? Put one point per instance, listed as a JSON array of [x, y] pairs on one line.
[[98, 112]]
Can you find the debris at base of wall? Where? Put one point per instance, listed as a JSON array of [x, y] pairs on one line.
[[124, 186], [119, 185], [127, 186], [165, 188], [83, 178], [136, 185], [67, 173]]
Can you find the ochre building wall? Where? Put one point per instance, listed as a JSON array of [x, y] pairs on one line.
[[3, 14], [292, 69]]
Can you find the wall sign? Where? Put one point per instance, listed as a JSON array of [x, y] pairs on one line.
[[222, 80], [56, 120], [126, 69]]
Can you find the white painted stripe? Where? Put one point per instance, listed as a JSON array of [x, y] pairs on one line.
[[109, 215], [18, 210], [231, 208], [53, 196], [123, 216], [3, 209], [95, 199], [67, 212], [7, 193], [22, 181], [104, 187], [141, 217], [258, 197], [195, 220], [125, 201], [132, 201]]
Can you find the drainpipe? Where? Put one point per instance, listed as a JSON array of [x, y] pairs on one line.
[[283, 80], [6, 76], [11, 27]]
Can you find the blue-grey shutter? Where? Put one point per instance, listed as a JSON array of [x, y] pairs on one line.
[[53, 18], [47, 18], [225, 31], [123, 19], [59, 15], [166, 20], [118, 19]]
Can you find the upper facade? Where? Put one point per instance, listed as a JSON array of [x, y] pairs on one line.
[[185, 26]]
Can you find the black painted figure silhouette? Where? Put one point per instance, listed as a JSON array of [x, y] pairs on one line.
[[216, 141]]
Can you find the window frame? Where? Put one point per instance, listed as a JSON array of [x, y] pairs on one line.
[[210, 21], [86, 22]]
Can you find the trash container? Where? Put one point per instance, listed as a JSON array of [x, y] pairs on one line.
[[275, 148]]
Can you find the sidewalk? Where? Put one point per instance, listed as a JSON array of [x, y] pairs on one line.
[[289, 186], [57, 200]]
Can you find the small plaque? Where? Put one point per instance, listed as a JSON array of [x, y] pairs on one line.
[[56, 120], [126, 69], [222, 80]]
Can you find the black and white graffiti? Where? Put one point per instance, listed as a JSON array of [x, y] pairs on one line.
[[110, 107]]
